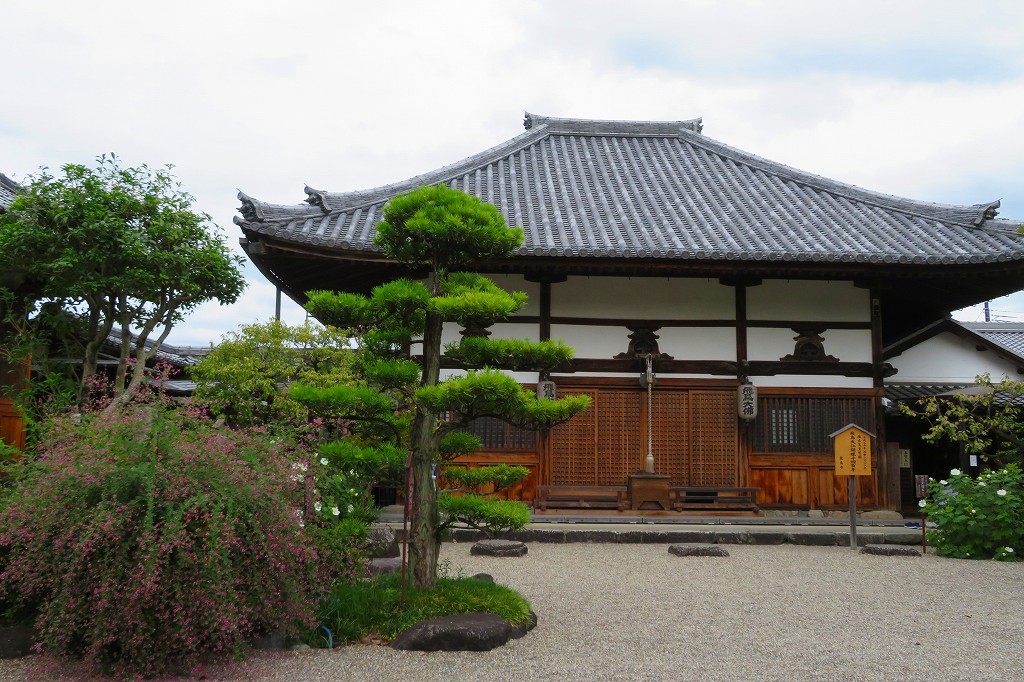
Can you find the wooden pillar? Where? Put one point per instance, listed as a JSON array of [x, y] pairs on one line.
[[881, 454], [544, 437], [745, 435]]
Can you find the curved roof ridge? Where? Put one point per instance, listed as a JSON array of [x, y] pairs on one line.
[[970, 216], [254, 210], [347, 201], [536, 126], [596, 126]]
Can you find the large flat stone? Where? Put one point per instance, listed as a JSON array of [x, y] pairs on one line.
[[697, 549], [463, 632], [815, 539], [890, 550], [604, 536], [519, 631], [732, 537], [384, 565], [499, 548]]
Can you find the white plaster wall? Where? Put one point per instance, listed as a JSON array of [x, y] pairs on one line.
[[947, 358], [698, 343], [643, 298], [812, 381], [513, 330], [592, 341], [808, 300], [521, 377], [849, 345], [452, 332], [518, 283]]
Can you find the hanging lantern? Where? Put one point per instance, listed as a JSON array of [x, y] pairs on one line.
[[546, 390], [746, 401]]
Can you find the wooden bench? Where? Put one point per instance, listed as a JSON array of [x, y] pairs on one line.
[[581, 497], [713, 498]]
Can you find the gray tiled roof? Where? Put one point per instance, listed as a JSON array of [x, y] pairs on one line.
[[7, 189], [628, 189], [179, 356], [1009, 335], [911, 392]]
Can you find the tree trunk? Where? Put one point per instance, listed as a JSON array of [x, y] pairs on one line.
[[423, 539], [100, 324]]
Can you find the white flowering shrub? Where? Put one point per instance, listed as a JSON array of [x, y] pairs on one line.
[[979, 518]]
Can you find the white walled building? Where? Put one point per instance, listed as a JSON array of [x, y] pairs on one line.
[[647, 239]]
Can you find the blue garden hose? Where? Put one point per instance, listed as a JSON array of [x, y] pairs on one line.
[[330, 637]]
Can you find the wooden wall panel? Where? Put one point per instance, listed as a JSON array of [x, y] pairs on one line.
[[780, 487], [527, 488], [12, 426], [807, 481]]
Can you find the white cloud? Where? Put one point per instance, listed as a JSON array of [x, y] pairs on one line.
[[917, 98]]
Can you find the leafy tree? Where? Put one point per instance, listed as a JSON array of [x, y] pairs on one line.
[[440, 231], [987, 421], [113, 245], [245, 377], [471, 501]]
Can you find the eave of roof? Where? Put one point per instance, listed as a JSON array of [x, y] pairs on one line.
[[659, 189], [8, 189]]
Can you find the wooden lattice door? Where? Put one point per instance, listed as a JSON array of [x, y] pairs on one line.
[[715, 443], [601, 446], [694, 438], [670, 436]]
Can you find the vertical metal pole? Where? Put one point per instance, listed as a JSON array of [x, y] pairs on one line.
[[277, 304], [852, 492], [924, 539]]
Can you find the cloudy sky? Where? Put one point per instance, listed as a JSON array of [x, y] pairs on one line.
[[918, 98]]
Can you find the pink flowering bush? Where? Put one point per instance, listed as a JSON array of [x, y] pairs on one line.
[[147, 540]]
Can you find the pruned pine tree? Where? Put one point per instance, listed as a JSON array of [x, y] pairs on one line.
[[440, 231]]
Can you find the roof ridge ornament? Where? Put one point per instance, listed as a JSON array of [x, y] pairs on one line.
[[986, 211]]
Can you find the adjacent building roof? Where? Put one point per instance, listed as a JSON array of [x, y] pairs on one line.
[[8, 188], [1006, 335], [662, 190]]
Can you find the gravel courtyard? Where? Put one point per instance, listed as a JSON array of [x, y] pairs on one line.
[[785, 612]]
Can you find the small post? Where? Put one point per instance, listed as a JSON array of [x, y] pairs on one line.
[[277, 304], [852, 493], [921, 488]]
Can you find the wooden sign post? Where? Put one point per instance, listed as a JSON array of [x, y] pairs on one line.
[[853, 458]]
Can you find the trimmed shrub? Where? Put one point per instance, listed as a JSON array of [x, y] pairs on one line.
[[374, 610], [148, 541]]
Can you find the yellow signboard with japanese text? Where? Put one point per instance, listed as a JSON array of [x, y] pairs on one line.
[[853, 451]]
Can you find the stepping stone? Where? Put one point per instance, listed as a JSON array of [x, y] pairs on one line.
[[463, 632], [697, 549], [384, 565], [890, 550], [499, 548]]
